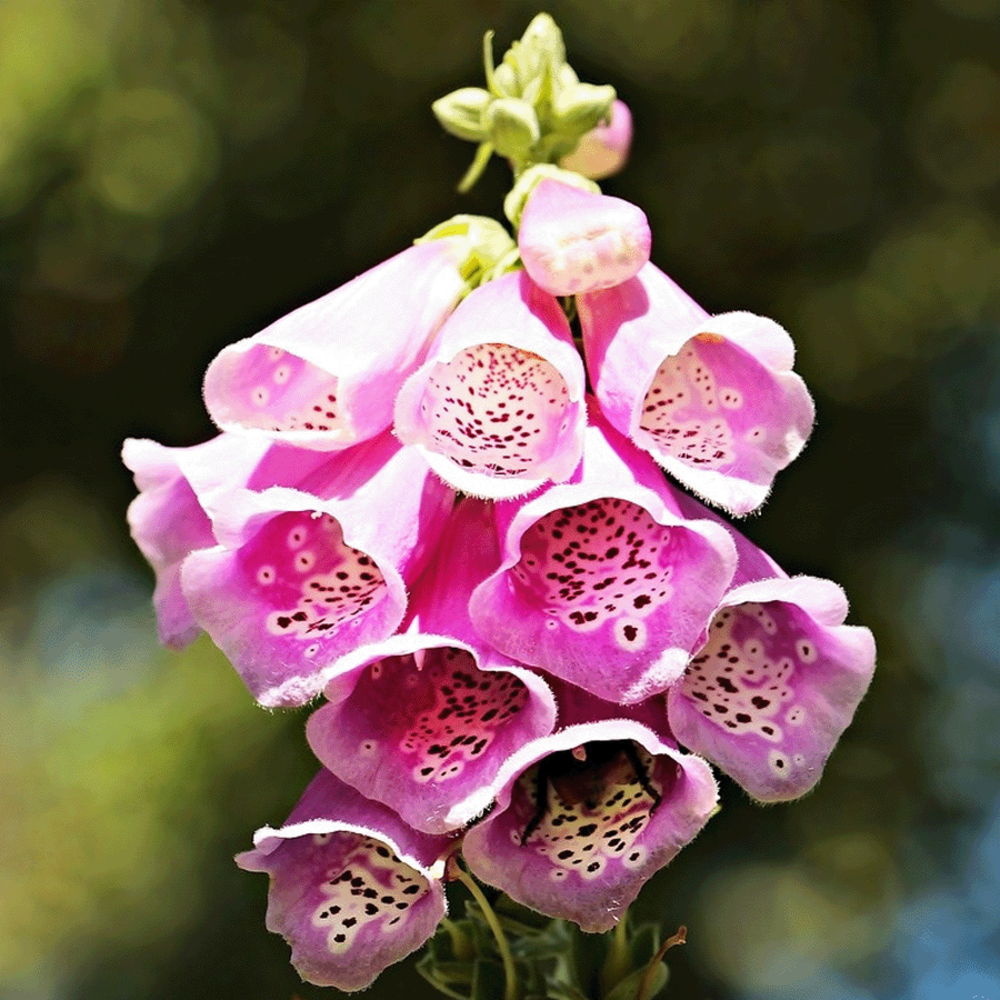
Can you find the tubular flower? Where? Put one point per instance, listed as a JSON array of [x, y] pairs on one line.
[[711, 398], [302, 575], [775, 682], [585, 816], [573, 241], [604, 583], [353, 888], [603, 151], [424, 720], [168, 518], [498, 406], [312, 378]]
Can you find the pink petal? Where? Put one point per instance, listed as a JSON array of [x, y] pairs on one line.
[[168, 519], [574, 241], [584, 817], [776, 683], [604, 582], [353, 890], [498, 406], [604, 150], [325, 376], [304, 575], [423, 721], [712, 399]]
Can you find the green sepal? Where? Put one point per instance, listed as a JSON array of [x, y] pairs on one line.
[[628, 988], [491, 250], [461, 112]]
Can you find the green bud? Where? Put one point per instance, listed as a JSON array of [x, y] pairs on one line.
[[545, 41], [505, 80], [512, 127], [513, 204], [461, 112], [489, 245], [581, 107]]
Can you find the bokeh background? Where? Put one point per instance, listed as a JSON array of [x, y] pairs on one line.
[[174, 174]]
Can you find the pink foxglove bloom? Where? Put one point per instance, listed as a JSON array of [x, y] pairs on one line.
[[604, 583], [498, 406], [353, 888], [303, 575], [168, 518], [574, 241], [776, 680], [604, 150], [326, 375], [424, 720], [584, 817], [711, 398]]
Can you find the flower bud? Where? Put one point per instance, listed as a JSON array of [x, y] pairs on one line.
[[580, 108], [512, 127], [604, 150], [461, 112]]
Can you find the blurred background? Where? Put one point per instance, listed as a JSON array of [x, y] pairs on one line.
[[175, 174]]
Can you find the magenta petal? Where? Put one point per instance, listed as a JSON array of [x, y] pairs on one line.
[[584, 817], [325, 376], [353, 889], [423, 721], [574, 241], [302, 576], [604, 583], [712, 399], [604, 150], [168, 519], [774, 686], [498, 406]]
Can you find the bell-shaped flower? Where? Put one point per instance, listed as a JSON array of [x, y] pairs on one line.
[[498, 406], [775, 682], [604, 583], [168, 518], [585, 816], [711, 398], [423, 720], [353, 889], [326, 375], [573, 241], [302, 575], [603, 151]]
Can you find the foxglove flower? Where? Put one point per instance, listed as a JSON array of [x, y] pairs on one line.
[[711, 398], [776, 680], [302, 575], [325, 376], [604, 150], [424, 720], [353, 888], [168, 518], [585, 816], [498, 406], [604, 583], [573, 241]]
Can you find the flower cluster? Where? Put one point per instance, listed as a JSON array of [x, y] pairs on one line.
[[427, 506]]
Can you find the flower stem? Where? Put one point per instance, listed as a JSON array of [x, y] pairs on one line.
[[616, 964], [491, 918]]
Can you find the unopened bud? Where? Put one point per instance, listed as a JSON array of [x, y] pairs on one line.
[[581, 107], [512, 127], [461, 112], [604, 150]]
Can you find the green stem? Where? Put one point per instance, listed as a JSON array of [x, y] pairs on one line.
[[491, 918], [616, 963]]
